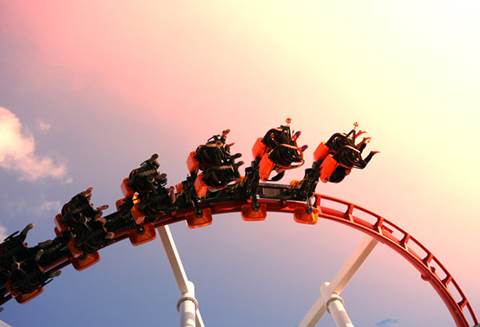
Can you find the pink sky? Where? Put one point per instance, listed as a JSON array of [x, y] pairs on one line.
[[410, 77]]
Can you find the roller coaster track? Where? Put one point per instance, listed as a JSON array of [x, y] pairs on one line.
[[378, 227], [346, 213]]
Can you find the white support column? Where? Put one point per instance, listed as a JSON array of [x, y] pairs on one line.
[[339, 282], [188, 304], [335, 306]]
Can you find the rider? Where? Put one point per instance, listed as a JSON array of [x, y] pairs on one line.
[[281, 150], [216, 162]]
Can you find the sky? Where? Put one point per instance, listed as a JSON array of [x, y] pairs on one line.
[[89, 90]]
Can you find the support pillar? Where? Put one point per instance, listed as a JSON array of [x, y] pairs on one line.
[[188, 304], [339, 282], [335, 306]]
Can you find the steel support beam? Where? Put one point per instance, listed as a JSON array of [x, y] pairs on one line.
[[187, 304], [339, 282], [335, 306]]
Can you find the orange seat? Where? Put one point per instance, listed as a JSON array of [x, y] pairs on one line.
[[119, 203], [126, 189], [259, 148], [200, 187], [321, 152], [327, 168], [265, 168], [179, 188], [192, 163], [75, 252], [138, 216], [59, 225]]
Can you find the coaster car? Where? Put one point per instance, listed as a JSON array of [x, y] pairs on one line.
[[145, 196], [147, 187], [278, 151], [147, 178], [215, 163], [340, 154], [84, 225], [20, 274]]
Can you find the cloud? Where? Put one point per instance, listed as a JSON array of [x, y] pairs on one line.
[[28, 210], [49, 206], [17, 151], [388, 323], [3, 233], [43, 125]]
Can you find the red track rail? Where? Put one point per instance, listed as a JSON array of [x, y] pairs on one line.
[[430, 268]]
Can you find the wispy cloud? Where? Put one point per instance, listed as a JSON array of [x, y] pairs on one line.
[[4, 324], [388, 323], [17, 151], [49, 206], [43, 125], [28, 210], [3, 233]]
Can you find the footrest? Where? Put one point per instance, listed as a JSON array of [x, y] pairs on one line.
[[249, 214], [85, 261], [303, 217], [24, 298], [203, 220], [146, 234]]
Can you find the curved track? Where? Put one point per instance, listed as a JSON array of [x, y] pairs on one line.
[[378, 227], [431, 269]]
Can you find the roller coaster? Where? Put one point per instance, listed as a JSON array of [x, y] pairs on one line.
[[213, 186]]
